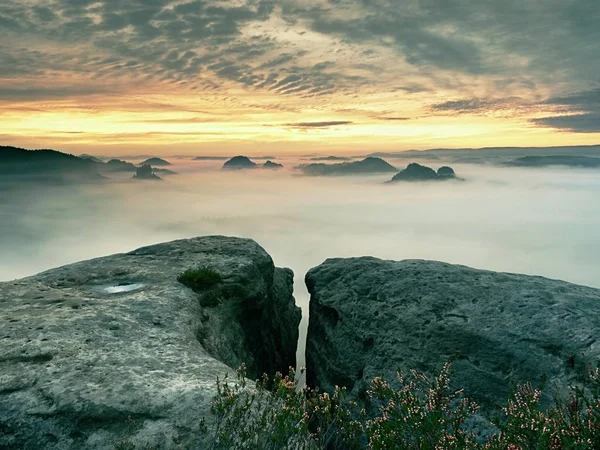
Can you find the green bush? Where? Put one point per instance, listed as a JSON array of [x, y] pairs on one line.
[[421, 414], [200, 279]]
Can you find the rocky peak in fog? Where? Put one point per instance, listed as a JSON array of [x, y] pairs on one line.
[[418, 172], [239, 162]]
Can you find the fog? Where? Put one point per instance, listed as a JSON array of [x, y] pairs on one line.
[[534, 221]]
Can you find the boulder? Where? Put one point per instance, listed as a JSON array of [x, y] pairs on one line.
[[116, 348], [370, 317]]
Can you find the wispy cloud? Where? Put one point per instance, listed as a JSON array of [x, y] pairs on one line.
[[308, 125]]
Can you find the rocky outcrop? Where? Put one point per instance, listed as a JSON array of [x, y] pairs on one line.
[[369, 317], [418, 172], [146, 172], [116, 348]]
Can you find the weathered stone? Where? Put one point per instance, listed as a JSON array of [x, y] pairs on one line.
[[370, 317], [116, 348]]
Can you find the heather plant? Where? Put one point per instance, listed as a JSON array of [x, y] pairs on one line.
[[572, 424], [418, 413], [276, 414], [421, 414]]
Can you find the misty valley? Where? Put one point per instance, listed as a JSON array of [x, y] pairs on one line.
[[157, 276]]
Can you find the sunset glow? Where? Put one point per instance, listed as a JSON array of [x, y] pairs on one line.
[[255, 76]]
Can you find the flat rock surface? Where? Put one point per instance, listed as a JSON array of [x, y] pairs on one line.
[[115, 348], [369, 317]]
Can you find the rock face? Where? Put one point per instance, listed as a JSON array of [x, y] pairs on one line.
[[369, 317], [239, 162], [115, 348], [370, 165]]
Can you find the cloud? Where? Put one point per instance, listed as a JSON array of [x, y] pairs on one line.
[[577, 123], [308, 125], [400, 119], [584, 108], [469, 51]]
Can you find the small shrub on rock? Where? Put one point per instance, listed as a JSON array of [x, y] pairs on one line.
[[200, 279]]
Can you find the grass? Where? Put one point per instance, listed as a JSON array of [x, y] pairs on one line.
[[200, 279]]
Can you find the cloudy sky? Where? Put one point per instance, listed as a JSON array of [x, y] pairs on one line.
[[205, 76]]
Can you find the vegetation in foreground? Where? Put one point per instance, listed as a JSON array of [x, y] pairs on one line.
[[421, 414], [199, 279]]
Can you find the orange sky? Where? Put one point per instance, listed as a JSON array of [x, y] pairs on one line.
[[257, 76]]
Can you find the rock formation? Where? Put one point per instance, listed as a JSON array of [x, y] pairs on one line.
[[239, 162], [369, 317], [417, 172], [446, 172], [116, 348], [370, 165], [145, 173]]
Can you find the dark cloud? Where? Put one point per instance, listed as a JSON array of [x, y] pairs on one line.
[[465, 105], [36, 93], [510, 45], [399, 119], [307, 125], [578, 123], [584, 108]]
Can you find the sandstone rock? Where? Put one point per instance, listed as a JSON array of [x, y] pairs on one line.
[[369, 317], [115, 348]]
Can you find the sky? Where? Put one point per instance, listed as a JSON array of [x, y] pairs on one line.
[[290, 77]]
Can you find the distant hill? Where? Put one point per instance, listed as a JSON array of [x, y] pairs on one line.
[[211, 158], [116, 165], [330, 158], [418, 172], [368, 165], [92, 157], [46, 165], [155, 162], [556, 160], [487, 154], [239, 162], [272, 165]]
